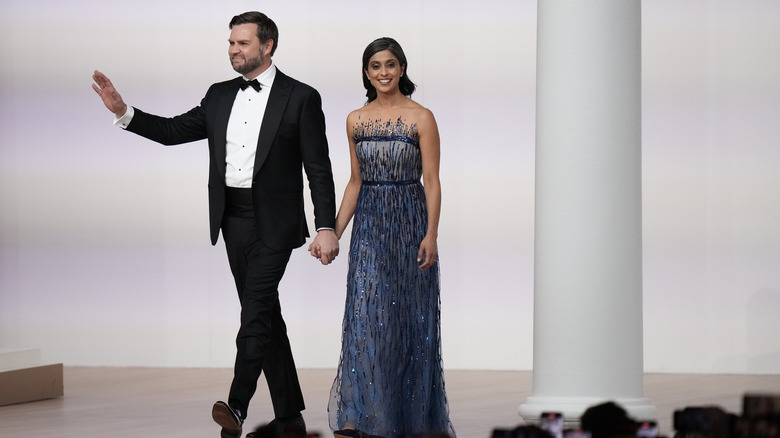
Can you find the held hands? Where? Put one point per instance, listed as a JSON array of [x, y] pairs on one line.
[[325, 246], [111, 98], [427, 252]]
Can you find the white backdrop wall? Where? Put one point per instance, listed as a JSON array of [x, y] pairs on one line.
[[105, 257]]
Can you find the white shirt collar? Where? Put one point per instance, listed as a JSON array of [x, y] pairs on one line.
[[266, 78]]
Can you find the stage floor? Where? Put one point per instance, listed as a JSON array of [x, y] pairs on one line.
[[176, 402]]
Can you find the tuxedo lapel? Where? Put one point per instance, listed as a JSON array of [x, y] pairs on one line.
[[274, 110], [224, 107]]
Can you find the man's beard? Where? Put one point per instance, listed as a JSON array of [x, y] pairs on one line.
[[249, 64]]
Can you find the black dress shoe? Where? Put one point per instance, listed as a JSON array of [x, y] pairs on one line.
[[294, 426], [229, 418]]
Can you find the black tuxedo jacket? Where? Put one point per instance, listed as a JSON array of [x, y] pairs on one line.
[[292, 137]]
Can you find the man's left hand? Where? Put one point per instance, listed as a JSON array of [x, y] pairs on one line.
[[325, 246]]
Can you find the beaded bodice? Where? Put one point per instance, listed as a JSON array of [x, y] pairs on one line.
[[388, 151]]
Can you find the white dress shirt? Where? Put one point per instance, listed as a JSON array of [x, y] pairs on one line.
[[243, 129]]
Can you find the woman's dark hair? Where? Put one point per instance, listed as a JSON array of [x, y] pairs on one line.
[[378, 45], [266, 28]]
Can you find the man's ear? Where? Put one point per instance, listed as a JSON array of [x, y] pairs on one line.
[[267, 47]]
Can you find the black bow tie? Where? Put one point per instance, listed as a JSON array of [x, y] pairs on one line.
[[253, 83]]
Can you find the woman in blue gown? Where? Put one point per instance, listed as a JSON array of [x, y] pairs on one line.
[[389, 381]]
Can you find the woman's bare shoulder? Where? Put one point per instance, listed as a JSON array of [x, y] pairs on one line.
[[419, 114]]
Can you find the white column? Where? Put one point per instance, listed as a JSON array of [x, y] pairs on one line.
[[588, 224]]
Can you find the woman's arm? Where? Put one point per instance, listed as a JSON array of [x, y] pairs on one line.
[[429, 148]]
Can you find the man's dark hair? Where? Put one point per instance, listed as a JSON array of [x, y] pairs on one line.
[[266, 28], [378, 45]]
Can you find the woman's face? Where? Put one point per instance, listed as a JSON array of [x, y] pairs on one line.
[[384, 71]]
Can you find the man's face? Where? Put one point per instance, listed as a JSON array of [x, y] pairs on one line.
[[247, 55]]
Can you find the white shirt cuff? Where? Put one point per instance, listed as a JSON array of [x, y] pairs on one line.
[[125, 119]]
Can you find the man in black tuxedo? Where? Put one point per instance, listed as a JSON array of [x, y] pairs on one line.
[[262, 129]]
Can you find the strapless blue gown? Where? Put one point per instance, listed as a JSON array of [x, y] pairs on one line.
[[389, 381]]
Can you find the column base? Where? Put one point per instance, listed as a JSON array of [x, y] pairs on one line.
[[572, 408]]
